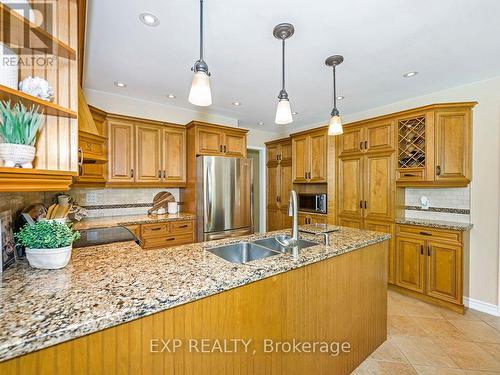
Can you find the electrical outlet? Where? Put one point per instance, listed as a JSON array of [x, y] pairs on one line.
[[91, 198]]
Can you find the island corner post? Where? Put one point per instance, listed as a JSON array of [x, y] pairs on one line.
[[342, 299]]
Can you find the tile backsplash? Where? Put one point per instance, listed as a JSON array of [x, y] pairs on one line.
[[449, 204], [114, 202]]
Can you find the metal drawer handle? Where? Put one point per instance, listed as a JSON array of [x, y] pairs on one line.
[[426, 234], [156, 228], [421, 249], [171, 239], [438, 170], [410, 175], [183, 226]]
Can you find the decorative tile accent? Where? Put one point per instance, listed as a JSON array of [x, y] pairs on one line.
[[462, 211], [124, 205]]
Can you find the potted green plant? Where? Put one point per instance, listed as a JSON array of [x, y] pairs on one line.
[[48, 243], [18, 129]]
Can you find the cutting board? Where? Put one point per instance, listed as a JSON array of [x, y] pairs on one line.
[[161, 200]]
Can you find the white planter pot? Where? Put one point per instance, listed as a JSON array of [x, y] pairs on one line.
[[49, 259], [17, 155]]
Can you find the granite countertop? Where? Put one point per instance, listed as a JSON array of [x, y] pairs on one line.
[[435, 223], [114, 221], [100, 289], [318, 228]]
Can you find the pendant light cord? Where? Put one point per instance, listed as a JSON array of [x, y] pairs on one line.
[[283, 63], [201, 29], [334, 90]]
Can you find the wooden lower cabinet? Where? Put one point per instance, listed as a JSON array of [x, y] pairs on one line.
[[166, 234], [350, 222], [429, 261], [385, 227]]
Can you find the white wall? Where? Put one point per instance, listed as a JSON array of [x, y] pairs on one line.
[[485, 186]]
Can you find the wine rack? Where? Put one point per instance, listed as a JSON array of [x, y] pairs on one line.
[[411, 142]]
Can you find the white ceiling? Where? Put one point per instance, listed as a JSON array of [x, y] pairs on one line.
[[449, 42]]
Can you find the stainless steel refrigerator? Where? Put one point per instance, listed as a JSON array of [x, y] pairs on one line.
[[224, 206]]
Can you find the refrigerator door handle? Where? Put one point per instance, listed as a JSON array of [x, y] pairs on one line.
[[208, 200]]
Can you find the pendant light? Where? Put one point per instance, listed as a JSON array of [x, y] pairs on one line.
[[283, 31], [335, 126], [200, 93]]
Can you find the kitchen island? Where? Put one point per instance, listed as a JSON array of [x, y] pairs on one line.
[[119, 309]]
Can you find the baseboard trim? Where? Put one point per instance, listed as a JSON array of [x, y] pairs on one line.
[[485, 307]]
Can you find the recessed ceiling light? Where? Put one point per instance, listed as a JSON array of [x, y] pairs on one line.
[[260, 123], [340, 97], [171, 96], [237, 104], [295, 113], [120, 84], [410, 74], [149, 19]]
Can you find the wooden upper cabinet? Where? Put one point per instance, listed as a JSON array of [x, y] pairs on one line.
[[235, 144], [174, 155], [209, 141], [350, 186], [453, 146], [410, 263], [273, 186], [379, 186], [444, 267], [351, 141], [379, 136], [148, 153], [300, 157], [285, 183], [309, 155], [318, 145], [216, 140], [272, 152], [121, 152]]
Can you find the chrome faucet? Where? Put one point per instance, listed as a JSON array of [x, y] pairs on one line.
[[292, 242]]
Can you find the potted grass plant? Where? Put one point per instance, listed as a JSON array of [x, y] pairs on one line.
[[18, 130], [48, 243]]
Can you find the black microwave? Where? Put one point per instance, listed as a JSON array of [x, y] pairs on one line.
[[313, 203]]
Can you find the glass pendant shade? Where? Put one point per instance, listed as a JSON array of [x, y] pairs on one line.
[[335, 127], [283, 113], [200, 93]]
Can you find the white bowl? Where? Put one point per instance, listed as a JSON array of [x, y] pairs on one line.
[[49, 259]]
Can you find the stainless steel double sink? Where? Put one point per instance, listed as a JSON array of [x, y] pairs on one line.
[[244, 252]]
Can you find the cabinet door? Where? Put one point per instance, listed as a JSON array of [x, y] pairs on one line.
[[286, 151], [318, 219], [379, 185], [148, 153], [235, 144], [272, 152], [351, 222], [285, 184], [274, 220], [318, 143], [174, 155], [453, 147], [286, 219], [384, 227], [303, 218], [120, 152], [410, 263], [350, 142], [273, 186], [379, 136], [444, 267], [210, 141], [350, 186], [300, 157]]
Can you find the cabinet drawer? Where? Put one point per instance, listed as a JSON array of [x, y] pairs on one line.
[[410, 174], [167, 241], [154, 230], [181, 227], [430, 233]]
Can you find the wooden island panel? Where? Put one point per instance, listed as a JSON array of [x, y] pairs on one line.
[[341, 299]]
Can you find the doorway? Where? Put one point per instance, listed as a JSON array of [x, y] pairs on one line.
[[254, 154]]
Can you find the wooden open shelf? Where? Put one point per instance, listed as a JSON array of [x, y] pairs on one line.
[[13, 30], [7, 93], [24, 179]]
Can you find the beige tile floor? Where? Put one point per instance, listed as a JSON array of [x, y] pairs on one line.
[[429, 340]]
